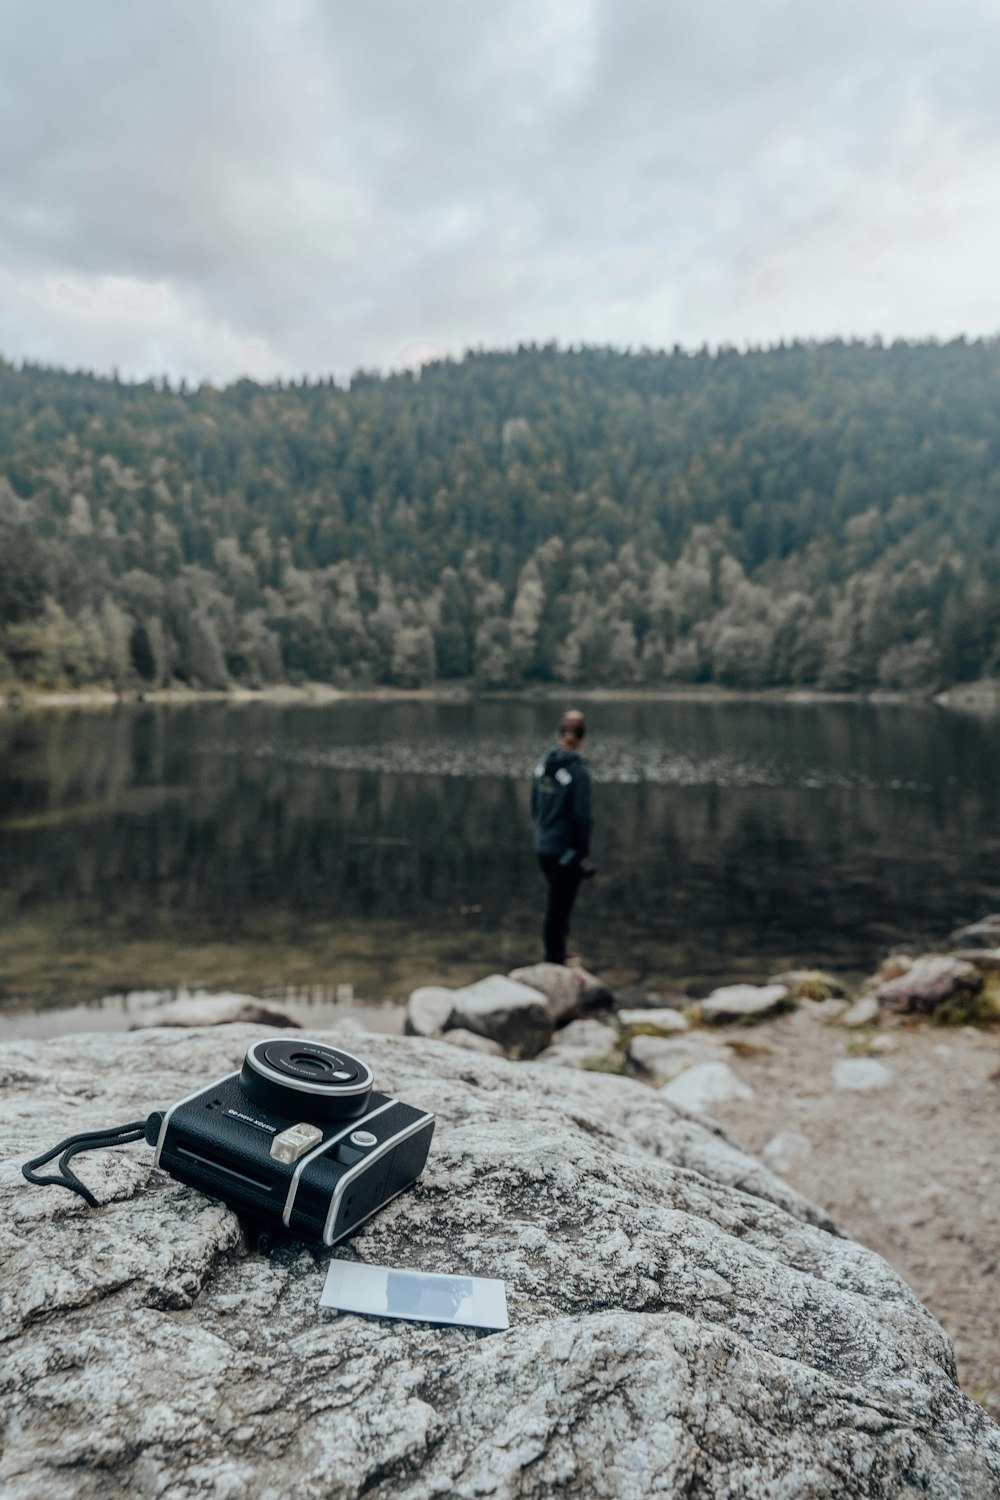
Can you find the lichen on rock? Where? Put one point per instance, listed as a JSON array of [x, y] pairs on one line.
[[682, 1322]]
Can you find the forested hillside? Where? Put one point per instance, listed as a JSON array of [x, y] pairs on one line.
[[815, 514]]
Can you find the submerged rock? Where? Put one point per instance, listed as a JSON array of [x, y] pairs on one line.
[[682, 1322], [982, 934], [203, 1009], [738, 1002]]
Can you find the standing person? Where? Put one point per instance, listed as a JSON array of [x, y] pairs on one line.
[[560, 807]]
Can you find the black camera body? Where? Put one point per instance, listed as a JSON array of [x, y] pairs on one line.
[[298, 1136]]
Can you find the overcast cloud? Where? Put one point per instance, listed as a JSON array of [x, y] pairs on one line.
[[217, 187]]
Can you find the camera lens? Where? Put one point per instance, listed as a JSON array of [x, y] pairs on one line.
[[306, 1080]]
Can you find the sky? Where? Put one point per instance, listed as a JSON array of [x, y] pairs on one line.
[[216, 188]]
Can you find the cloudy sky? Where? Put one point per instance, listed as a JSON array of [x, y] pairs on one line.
[[217, 187]]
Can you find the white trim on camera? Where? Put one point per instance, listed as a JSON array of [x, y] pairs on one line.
[[362, 1166], [205, 1089], [299, 1084], [356, 1124]]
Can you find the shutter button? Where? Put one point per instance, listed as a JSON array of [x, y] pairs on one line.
[[363, 1138]]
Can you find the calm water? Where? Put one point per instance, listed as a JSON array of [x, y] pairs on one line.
[[385, 844]]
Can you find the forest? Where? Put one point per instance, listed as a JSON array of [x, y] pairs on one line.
[[815, 514]]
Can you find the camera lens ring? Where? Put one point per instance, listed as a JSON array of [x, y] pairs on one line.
[[292, 1085]]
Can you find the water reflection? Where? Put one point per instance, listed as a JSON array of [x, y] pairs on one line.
[[380, 844]]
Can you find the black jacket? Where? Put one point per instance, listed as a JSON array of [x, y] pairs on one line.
[[560, 804]]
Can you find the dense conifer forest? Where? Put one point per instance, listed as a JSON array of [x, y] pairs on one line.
[[817, 514]]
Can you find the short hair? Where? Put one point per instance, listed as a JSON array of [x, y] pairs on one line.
[[573, 723]]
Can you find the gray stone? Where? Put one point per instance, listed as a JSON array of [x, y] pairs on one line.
[[682, 1322], [579, 1043], [810, 984], [561, 986], [982, 934], [428, 1010], [987, 960], [472, 1042], [927, 982], [737, 1002], [859, 1075], [203, 1009], [862, 1013], [507, 1012], [786, 1150], [705, 1084], [663, 1020], [664, 1057]]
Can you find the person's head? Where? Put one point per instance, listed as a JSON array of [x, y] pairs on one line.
[[572, 729]]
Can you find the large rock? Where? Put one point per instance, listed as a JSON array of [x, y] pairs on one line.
[[928, 982], [428, 1010], [507, 1012], [203, 1009], [569, 990], [681, 1321], [561, 986], [744, 1002], [863, 1012]]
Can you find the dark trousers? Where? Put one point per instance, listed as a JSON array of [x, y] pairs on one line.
[[564, 882]]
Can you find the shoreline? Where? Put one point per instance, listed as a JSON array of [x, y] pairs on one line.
[[984, 695]]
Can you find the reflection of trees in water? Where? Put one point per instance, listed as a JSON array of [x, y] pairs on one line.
[[121, 810]]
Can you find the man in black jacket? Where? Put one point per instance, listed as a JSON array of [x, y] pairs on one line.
[[560, 806]]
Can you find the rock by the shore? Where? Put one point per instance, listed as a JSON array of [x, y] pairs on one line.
[[681, 1321], [809, 984], [860, 1075], [987, 960], [663, 1058], [472, 1042], [741, 1002], [982, 934], [204, 1009], [928, 982], [862, 1013], [428, 1010], [507, 1012], [665, 1021], [561, 986], [580, 1044], [707, 1083]]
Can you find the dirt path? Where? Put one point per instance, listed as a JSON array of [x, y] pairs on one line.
[[911, 1170]]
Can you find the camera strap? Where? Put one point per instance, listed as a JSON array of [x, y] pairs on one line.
[[93, 1140]]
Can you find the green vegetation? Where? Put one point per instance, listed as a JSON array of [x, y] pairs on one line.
[[817, 515]]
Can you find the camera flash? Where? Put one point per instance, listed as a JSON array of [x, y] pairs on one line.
[[295, 1142]]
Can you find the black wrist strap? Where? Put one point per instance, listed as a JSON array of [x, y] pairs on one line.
[[94, 1140]]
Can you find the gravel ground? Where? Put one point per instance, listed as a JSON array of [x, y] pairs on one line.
[[911, 1169]]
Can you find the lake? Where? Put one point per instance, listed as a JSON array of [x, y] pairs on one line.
[[297, 850]]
